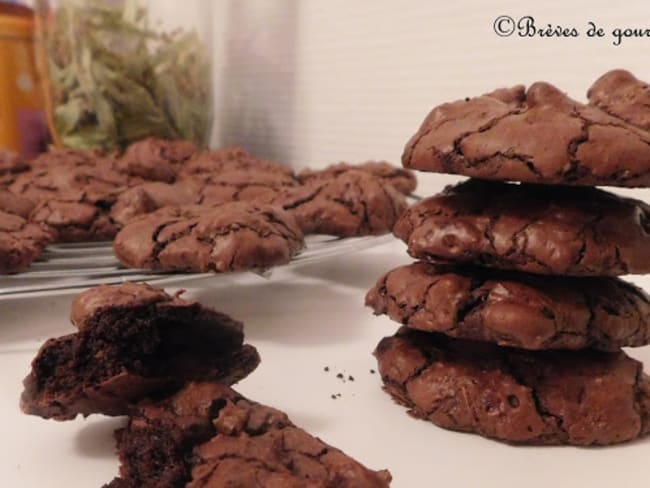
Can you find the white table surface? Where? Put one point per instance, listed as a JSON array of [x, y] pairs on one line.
[[301, 320]]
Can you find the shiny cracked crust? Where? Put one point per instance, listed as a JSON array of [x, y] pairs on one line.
[[354, 203], [155, 159], [132, 341], [210, 436], [521, 397], [533, 228], [515, 309], [536, 136], [401, 179], [230, 237]]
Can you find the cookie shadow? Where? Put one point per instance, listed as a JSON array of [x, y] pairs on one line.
[[95, 439], [361, 271], [269, 311]]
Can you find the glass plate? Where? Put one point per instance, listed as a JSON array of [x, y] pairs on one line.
[[71, 266]]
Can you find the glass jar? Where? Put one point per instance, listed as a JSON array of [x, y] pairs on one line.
[[118, 71]]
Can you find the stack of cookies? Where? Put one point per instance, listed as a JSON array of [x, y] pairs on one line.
[[514, 317]]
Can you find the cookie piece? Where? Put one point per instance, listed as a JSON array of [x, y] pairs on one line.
[[353, 203], [211, 436], [21, 242], [580, 398], [230, 237], [538, 229], [155, 159], [11, 164], [540, 137], [133, 341], [515, 309], [622, 95], [402, 180]]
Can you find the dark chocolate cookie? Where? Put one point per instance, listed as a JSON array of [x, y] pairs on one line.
[[401, 179], [515, 309], [21, 242], [353, 203], [11, 164], [230, 237], [15, 204], [622, 95], [213, 162], [537, 136], [210, 436], [539, 229], [206, 189], [133, 341], [155, 159], [521, 397]]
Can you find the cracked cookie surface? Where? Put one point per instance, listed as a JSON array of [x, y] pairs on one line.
[[522, 397], [11, 164], [538, 229], [155, 159], [133, 340], [622, 95], [536, 136], [401, 179], [515, 309], [210, 436], [230, 237], [353, 203]]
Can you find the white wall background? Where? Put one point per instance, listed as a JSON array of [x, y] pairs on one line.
[[315, 81]]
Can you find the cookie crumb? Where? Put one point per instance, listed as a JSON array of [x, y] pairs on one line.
[[340, 376], [333, 396], [372, 371], [467, 99], [326, 369], [351, 378]]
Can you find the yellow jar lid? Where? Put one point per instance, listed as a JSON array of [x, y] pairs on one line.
[[16, 22]]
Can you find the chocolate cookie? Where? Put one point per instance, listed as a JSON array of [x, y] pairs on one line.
[[622, 95], [21, 242], [230, 237], [521, 397], [155, 159], [537, 136], [11, 164], [205, 189], [353, 203], [75, 219], [534, 228], [515, 309], [133, 341], [210, 436], [15, 204], [402, 180], [213, 162]]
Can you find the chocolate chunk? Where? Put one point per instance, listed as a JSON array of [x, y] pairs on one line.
[[622, 95], [521, 397], [515, 309], [21, 242], [133, 341], [353, 203], [533, 228], [401, 179], [540, 136], [210, 436], [230, 237], [155, 159]]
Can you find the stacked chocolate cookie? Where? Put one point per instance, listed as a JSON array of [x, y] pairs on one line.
[[514, 317]]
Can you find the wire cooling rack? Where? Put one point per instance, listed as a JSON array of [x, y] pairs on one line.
[[72, 266]]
